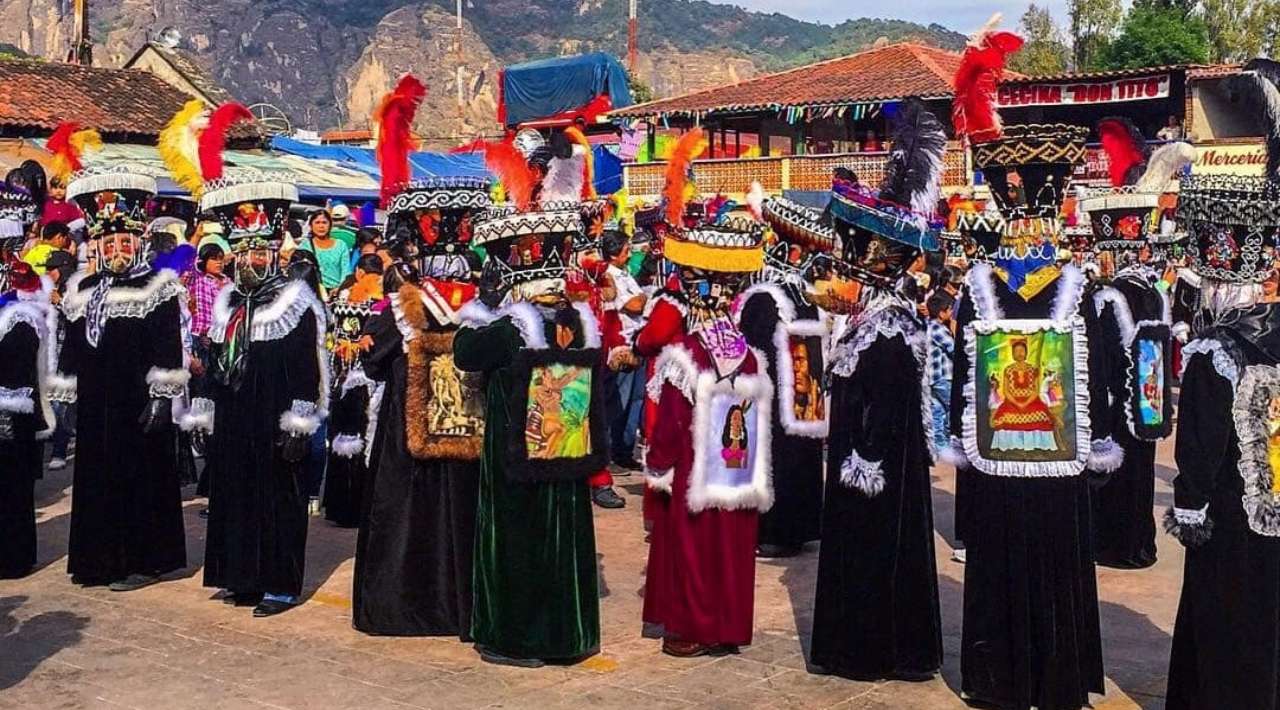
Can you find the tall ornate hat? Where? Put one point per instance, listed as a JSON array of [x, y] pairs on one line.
[[883, 229], [1233, 221], [1127, 214], [113, 200], [251, 206]]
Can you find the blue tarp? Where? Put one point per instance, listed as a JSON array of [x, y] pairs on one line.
[[423, 164], [546, 87], [608, 171]]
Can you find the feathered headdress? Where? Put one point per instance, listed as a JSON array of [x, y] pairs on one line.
[[973, 111], [1166, 161], [517, 178], [576, 137], [675, 192], [394, 118], [1266, 74], [180, 146], [564, 179], [913, 175], [1126, 150], [68, 144], [214, 138]]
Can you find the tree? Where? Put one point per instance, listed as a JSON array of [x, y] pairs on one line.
[[1239, 30], [1153, 36], [1092, 23], [1044, 51], [640, 91]]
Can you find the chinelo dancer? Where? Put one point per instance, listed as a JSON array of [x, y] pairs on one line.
[[1135, 340], [536, 596], [122, 361], [28, 333], [1026, 420], [1226, 506], [876, 612], [268, 395], [414, 553], [779, 318], [709, 448]]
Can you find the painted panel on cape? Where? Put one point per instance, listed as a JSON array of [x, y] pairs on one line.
[[557, 423], [1025, 386]]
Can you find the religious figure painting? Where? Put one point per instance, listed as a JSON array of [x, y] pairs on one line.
[[1151, 382], [1025, 395], [558, 409], [808, 402], [447, 410]]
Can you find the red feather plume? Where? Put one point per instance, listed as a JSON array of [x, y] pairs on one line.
[[1125, 149], [60, 144], [214, 139], [513, 171], [973, 111], [394, 117]]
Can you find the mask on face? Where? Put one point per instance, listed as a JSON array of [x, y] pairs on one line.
[[117, 253], [253, 266]]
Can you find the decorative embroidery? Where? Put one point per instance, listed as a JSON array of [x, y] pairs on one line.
[[167, 383], [674, 365], [62, 388], [1224, 361]]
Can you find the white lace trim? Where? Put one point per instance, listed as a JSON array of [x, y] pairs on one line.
[[167, 383], [1259, 384], [17, 400], [371, 429], [1105, 455], [199, 416], [301, 418], [786, 309], [1223, 363], [62, 388], [861, 474], [1191, 516], [674, 365], [122, 302], [758, 493], [356, 377], [274, 321]]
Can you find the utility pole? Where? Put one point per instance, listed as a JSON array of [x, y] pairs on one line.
[[632, 32], [457, 49], [81, 45]]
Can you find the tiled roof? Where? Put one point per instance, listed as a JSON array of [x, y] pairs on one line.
[[190, 70], [346, 134], [1192, 70], [895, 71], [37, 94], [1215, 71]]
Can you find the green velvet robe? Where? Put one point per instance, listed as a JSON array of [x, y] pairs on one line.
[[534, 580]]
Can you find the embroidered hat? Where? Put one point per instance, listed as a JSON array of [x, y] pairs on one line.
[[114, 200], [253, 207]]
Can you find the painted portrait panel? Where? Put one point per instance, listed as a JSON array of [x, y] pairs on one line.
[[1025, 386], [557, 424]]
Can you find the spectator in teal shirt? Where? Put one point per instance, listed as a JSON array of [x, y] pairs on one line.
[[333, 256]]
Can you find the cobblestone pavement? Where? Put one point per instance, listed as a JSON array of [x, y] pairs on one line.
[[170, 646]]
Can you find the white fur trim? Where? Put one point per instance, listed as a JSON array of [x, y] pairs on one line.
[[758, 495], [348, 446], [122, 302], [659, 480], [954, 453], [302, 418], [1182, 331], [17, 401], [475, 314], [667, 298], [1105, 455], [167, 382], [1030, 469], [62, 388], [199, 416], [674, 365], [981, 283], [786, 308], [1190, 277], [590, 325], [1066, 302], [371, 413], [526, 319], [787, 378], [1108, 296], [861, 474], [1223, 363]]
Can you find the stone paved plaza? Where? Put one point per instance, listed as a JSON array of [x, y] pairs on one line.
[[170, 646]]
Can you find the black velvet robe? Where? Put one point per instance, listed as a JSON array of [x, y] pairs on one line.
[[126, 500], [795, 516], [1123, 505], [1226, 639], [257, 535], [413, 555], [1031, 630], [876, 613], [22, 327]]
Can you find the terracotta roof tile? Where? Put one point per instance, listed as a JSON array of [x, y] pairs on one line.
[[895, 71], [39, 95]]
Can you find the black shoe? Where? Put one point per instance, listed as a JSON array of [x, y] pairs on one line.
[[629, 463], [271, 607], [133, 582], [488, 655], [606, 497], [772, 552]]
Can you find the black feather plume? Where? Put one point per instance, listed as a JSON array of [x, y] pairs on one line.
[[913, 175], [1266, 76]]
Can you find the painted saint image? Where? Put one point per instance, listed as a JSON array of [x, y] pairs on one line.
[[446, 411], [1151, 381], [557, 422], [1273, 442], [1023, 420], [733, 438], [808, 403]]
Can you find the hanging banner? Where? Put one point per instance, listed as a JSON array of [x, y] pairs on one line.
[[1230, 159], [1085, 92]]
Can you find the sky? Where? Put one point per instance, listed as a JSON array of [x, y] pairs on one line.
[[963, 16]]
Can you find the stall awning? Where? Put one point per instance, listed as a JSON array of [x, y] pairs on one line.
[[423, 164]]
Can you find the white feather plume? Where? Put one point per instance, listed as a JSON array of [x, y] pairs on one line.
[[563, 182], [1165, 162]]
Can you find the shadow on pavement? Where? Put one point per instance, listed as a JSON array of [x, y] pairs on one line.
[[29, 643]]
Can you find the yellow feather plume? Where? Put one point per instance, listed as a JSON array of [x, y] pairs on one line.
[[575, 136], [69, 144], [180, 146]]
